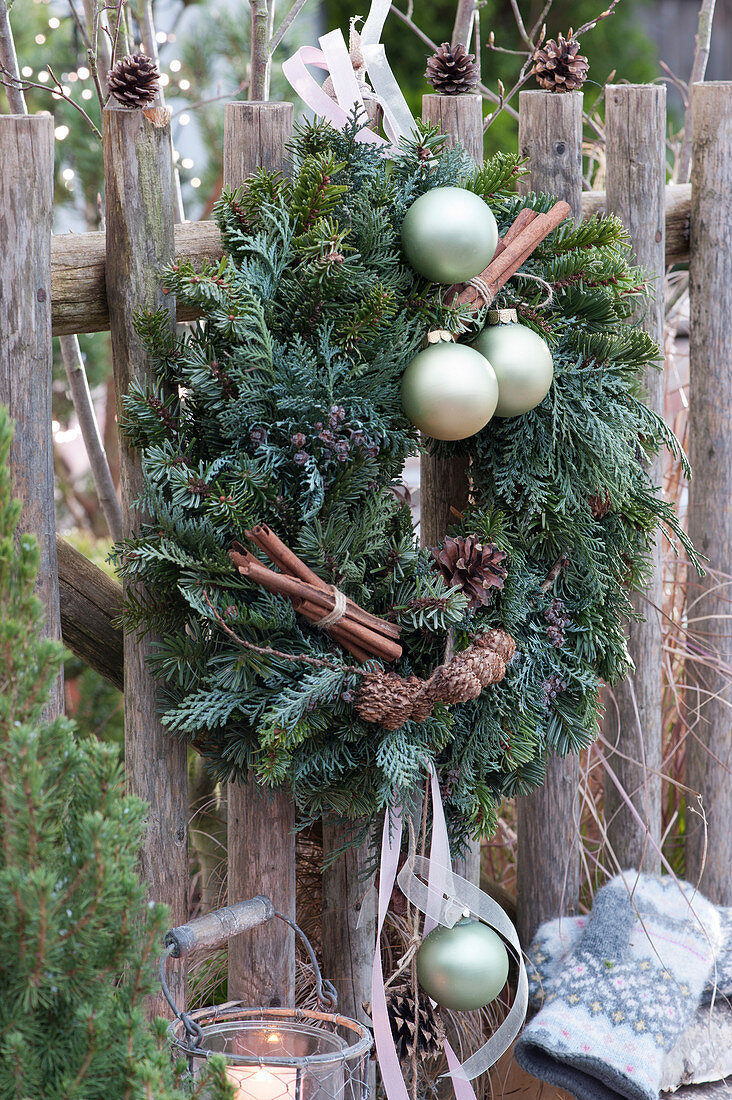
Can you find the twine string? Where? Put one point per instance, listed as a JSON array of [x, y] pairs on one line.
[[547, 300], [337, 613], [483, 289]]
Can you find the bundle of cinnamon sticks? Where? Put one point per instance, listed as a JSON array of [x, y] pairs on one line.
[[361, 634], [526, 234]]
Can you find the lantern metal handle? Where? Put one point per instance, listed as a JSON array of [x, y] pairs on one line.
[[214, 930]]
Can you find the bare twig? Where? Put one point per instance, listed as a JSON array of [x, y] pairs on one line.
[[23, 85], [698, 69], [520, 24], [268, 651], [561, 563], [285, 25], [260, 56], [9, 64], [463, 21], [213, 99], [84, 408], [592, 23]]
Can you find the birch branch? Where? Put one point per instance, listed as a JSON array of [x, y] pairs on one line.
[[698, 70]]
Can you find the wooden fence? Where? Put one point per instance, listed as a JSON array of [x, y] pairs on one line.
[[91, 282]]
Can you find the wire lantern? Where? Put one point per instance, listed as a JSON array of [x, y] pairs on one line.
[[283, 1053]]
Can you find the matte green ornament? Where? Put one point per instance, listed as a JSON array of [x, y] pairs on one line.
[[522, 363], [449, 391], [449, 235], [464, 967]]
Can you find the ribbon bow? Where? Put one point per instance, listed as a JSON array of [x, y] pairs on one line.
[[347, 80], [443, 898]]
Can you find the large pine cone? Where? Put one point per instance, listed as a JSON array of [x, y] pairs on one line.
[[498, 641], [386, 699], [456, 682], [451, 70], [424, 1036], [485, 664], [559, 66], [134, 80], [466, 563]]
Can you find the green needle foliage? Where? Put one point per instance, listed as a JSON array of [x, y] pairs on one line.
[[283, 406], [77, 935]]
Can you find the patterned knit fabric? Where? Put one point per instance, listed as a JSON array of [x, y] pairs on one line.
[[625, 985]]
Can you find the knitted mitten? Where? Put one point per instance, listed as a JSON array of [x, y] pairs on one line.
[[625, 992], [556, 939]]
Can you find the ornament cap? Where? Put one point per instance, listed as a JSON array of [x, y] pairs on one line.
[[439, 336], [502, 317]]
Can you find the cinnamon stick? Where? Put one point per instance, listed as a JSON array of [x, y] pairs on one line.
[[338, 632], [524, 218], [523, 242], [295, 589], [286, 560]]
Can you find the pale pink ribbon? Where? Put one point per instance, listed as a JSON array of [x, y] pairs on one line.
[[443, 899], [333, 56]]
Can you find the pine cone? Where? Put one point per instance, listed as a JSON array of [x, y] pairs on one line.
[[483, 663], [600, 505], [386, 699], [468, 564], [559, 66], [456, 682], [451, 70], [498, 641], [426, 1036], [423, 702], [134, 80]]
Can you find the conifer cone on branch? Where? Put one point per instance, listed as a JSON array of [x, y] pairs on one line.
[[451, 70], [134, 80], [558, 66]]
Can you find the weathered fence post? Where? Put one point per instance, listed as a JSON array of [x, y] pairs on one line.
[[139, 210], [550, 136], [26, 218], [709, 744], [260, 840], [635, 128], [445, 482]]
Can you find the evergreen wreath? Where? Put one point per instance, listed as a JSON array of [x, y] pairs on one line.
[[283, 406]]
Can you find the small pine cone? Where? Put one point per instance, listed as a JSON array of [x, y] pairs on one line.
[[451, 70], [424, 1036], [466, 563], [134, 80], [423, 703], [386, 699], [553, 687], [455, 682], [483, 663], [559, 66], [499, 642], [600, 505]]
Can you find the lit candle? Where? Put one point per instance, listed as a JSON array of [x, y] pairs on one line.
[[258, 1083]]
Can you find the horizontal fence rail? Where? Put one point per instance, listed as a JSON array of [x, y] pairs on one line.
[[78, 261]]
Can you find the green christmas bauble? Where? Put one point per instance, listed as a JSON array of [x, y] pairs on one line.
[[449, 235], [522, 363], [449, 391], [464, 967]]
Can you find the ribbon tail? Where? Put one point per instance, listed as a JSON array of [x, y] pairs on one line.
[[398, 120]]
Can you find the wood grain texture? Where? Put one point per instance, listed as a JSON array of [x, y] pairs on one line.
[[26, 218], [459, 118], [635, 128], [260, 840], [78, 291], [90, 603], [349, 934], [140, 214], [444, 483], [550, 137], [548, 871], [255, 136], [709, 750], [261, 850]]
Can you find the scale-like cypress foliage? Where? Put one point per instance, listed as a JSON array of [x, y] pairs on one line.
[[282, 406], [77, 937]]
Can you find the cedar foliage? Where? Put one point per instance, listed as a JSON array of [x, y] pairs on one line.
[[77, 936], [283, 406]]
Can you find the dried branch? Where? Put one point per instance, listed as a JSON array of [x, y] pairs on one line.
[[20, 84], [285, 25], [698, 69], [212, 99], [9, 64], [260, 56], [462, 26]]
